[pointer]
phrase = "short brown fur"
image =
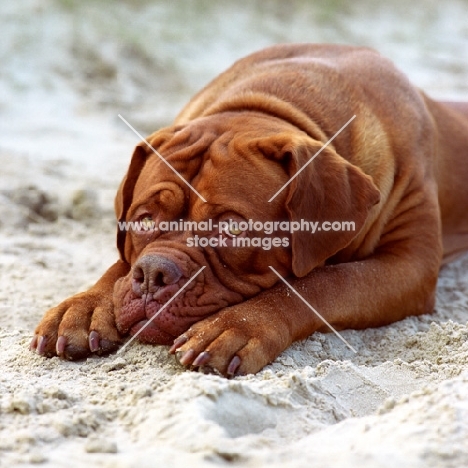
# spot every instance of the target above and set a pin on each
(398, 170)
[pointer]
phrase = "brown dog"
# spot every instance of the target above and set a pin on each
(398, 172)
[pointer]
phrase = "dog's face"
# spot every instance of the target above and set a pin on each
(234, 165)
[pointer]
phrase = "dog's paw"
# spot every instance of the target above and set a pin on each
(230, 343)
(81, 325)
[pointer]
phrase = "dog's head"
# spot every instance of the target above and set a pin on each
(208, 203)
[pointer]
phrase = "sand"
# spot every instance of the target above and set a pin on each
(400, 401)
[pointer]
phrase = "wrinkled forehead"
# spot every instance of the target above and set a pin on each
(214, 160)
(235, 176)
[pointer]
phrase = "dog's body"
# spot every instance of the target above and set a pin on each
(398, 171)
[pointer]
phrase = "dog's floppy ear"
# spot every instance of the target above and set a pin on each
(124, 196)
(327, 189)
(183, 143)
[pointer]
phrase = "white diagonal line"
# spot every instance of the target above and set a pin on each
(160, 310)
(313, 310)
(162, 159)
(312, 158)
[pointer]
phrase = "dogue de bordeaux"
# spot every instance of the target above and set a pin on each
(398, 173)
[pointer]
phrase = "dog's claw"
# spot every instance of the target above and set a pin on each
(186, 358)
(41, 345)
(178, 342)
(202, 359)
(233, 366)
(99, 345)
(61, 345)
(93, 340)
(33, 344)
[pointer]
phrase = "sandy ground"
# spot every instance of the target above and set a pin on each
(67, 70)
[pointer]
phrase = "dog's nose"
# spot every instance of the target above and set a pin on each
(152, 272)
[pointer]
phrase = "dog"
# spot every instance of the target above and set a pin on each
(291, 135)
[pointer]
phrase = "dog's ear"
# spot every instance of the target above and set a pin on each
(183, 144)
(326, 189)
(124, 196)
